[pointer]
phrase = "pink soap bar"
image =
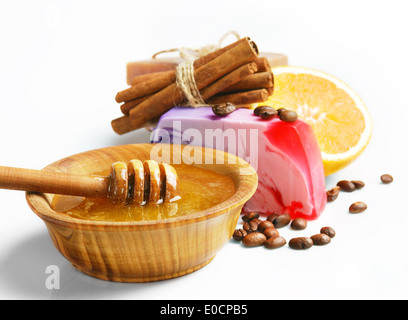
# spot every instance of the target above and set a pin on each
(286, 156)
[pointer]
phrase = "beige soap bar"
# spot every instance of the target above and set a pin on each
(137, 68)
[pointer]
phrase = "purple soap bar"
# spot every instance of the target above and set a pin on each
(286, 156)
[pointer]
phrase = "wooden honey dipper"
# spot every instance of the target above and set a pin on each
(136, 182)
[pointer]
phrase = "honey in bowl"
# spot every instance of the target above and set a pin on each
(201, 189)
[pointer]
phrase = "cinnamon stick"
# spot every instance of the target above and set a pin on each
(233, 77)
(263, 64)
(163, 79)
(213, 89)
(240, 98)
(258, 80)
(216, 87)
(212, 55)
(136, 68)
(243, 53)
(154, 84)
(127, 106)
(148, 76)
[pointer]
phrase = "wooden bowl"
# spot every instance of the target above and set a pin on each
(145, 250)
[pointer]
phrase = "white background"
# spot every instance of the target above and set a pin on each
(61, 64)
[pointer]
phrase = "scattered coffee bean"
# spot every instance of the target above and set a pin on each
(271, 232)
(358, 184)
(264, 225)
(346, 185)
(268, 113)
(332, 194)
(280, 110)
(299, 224)
(274, 242)
(250, 226)
(249, 216)
(386, 178)
(320, 239)
(272, 217)
(254, 239)
(224, 109)
(300, 243)
(288, 116)
(358, 207)
(239, 234)
(257, 110)
(329, 231)
(282, 221)
(257, 221)
(265, 112)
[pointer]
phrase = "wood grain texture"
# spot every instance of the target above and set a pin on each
(119, 186)
(146, 250)
(60, 183)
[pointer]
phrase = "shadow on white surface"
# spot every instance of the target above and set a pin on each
(23, 275)
(137, 136)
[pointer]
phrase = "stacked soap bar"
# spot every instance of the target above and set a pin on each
(286, 156)
(137, 68)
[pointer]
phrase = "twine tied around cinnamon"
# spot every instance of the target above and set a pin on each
(186, 81)
(185, 70)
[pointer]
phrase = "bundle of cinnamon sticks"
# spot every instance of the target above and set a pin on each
(234, 74)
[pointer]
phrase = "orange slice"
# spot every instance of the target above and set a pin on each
(339, 118)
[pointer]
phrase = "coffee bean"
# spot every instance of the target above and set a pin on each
(268, 113)
(274, 242)
(299, 224)
(332, 194)
(280, 110)
(249, 216)
(257, 110)
(288, 116)
(300, 243)
(272, 217)
(320, 239)
(386, 178)
(358, 184)
(264, 225)
(265, 112)
(346, 185)
(224, 109)
(239, 234)
(254, 239)
(282, 221)
(250, 226)
(329, 231)
(271, 232)
(257, 221)
(358, 207)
